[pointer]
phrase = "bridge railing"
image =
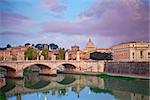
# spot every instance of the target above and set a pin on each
(50, 61)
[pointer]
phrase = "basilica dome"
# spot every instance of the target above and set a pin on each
(90, 44)
(89, 47)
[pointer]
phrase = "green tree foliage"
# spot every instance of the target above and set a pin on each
(31, 53)
(61, 54)
(100, 56)
(53, 46)
(8, 46)
(39, 46)
(45, 53)
(27, 44)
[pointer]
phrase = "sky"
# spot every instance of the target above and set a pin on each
(70, 22)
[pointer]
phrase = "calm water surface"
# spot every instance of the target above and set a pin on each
(73, 87)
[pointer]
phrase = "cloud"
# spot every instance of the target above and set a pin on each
(12, 33)
(57, 6)
(13, 20)
(122, 20)
(111, 20)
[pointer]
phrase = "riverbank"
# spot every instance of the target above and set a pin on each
(121, 76)
(104, 75)
(80, 73)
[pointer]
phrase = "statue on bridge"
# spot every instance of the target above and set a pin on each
(78, 56)
(66, 56)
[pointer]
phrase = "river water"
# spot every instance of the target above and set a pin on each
(73, 87)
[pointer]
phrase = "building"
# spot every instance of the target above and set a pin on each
(73, 52)
(131, 51)
(90, 48)
(13, 53)
(5, 55)
(45, 46)
(102, 50)
(52, 54)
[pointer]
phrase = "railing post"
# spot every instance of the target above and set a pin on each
(53, 57)
(78, 56)
(66, 56)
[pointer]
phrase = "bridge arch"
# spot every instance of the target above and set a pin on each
(38, 65)
(66, 67)
(42, 68)
(8, 70)
(7, 67)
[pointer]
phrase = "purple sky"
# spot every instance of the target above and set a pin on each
(69, 22)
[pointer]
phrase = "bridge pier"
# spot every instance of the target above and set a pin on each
(48, 72)
(15, 74)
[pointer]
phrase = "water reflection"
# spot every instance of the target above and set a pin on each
(73, 87)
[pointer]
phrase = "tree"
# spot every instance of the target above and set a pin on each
(33, 45)
(27, 44)
(8, 46)
(53, 46)
(31, 53)
(3, 48)
(100, 56)
(39, 46)
(61, 54)
(45, 53)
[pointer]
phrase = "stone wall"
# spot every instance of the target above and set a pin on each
(128, 68)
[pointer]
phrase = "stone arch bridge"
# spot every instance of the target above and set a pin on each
(15, 68)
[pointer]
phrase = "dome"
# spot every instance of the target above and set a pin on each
(90, 44)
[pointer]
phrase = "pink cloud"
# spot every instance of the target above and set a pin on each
(9, 19)
(15, 22)
(123, 20)
(49, 3)
(10, 33)
(28, 21)
(57, 6)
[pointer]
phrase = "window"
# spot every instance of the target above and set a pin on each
(141, 53)
(133, 55)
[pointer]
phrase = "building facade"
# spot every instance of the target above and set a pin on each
(73, 52)
(45, 46)
(90, 48)
(13, 53)
(131, 51)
